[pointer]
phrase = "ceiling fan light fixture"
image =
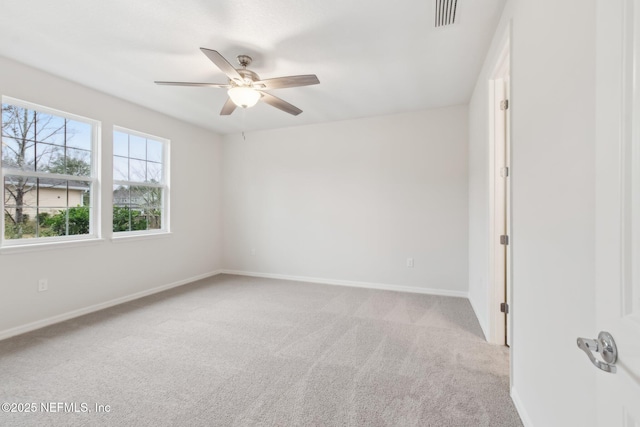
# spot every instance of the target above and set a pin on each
(243, 96)
(245, 86)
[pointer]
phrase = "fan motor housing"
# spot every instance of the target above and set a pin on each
(248, 75)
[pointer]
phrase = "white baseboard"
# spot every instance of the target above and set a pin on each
(524, 416)
(381, 286)
(96, 307)
(7, 333)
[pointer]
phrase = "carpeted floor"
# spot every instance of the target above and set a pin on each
(239, 351)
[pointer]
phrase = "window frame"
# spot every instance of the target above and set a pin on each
(94, 180)
(164, 186)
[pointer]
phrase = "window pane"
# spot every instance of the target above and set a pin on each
(154, 172)
(20, 223)
(137, 203)
(17, 122)
(57, 223)
(49, 158)
(154, 151)
(79, 135)
(120, 169)
(154, 219)
(121, 211)
(78, 162)
(50, 129)
(19, 191)
(121, 195)
(51, 195)
(120, 144)
(121, 218)
(137, 147)
(18, 154)
(154, 198)
(19, 207)
(78, 220)
(79, 193)
(9, 152)
(138, 197)
(138, 220)
(137, 170)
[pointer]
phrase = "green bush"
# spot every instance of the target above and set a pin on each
(48, 225)
(126, 219)
(57, 224)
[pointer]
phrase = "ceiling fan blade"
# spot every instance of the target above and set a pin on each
(192, 84)
(274, 101)
(222, 63)
(228, 107)
(289, 81)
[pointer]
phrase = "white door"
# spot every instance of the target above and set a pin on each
(502, 203)
(618, 209)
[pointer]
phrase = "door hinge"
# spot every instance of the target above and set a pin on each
(504, 239)
(504, 104)
(504, 308)
(504, 172)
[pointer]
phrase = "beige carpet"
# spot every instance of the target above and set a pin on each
(238, 351)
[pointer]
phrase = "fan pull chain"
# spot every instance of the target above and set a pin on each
(244, 114)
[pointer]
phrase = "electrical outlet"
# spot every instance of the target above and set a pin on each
(43, 285)
(410, 262)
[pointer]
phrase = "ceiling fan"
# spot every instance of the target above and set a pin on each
(245, 88)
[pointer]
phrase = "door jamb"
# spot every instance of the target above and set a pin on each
(496, 287)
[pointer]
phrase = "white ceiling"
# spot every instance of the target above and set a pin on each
(372, 57)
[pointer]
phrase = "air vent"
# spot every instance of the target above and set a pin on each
(445, 12)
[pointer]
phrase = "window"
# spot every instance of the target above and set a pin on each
(140, 182)
(49, 174)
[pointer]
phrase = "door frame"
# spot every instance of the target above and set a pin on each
(617, 181)
(499, 262)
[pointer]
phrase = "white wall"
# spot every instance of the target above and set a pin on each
(479, 180)
(553, 143)
(80, 277)
(479, 203)
(352, 200)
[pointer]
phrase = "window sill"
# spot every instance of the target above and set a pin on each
(134, 237)
(45, 246)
